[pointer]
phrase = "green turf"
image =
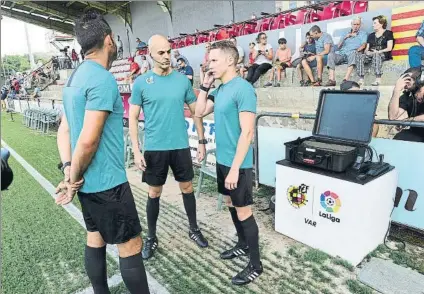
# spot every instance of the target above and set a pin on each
(356, 287)
(42, 245)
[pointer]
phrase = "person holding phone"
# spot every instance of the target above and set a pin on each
(407, 104)
(234, 107)
(354, 42)
(262, 55)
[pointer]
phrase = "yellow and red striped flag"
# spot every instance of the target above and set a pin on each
(405, 23)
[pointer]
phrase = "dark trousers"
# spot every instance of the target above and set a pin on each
(409, 135)
(255, 71)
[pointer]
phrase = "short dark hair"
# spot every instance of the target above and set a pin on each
(315, 29)
(227, 47)
(282, 41)
(382, 20)
(91, 30)
(259, 36)
(347, 85)
(233, 38)
(181, 59)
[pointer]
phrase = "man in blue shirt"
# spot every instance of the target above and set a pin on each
(324, 45)
(355, 41)
(234, 107)
(416, 53)
(90, 140)
(162, 93)
(185, 69)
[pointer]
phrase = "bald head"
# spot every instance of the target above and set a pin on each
(160, 51)
(157, 41)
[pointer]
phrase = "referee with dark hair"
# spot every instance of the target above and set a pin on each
(91, 147)
(234, 107)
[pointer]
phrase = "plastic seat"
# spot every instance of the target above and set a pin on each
(234, 31)
(264, 24)
(346, 7)
(212, 36)
(202, 38)
(289, 19)
(301, 16)
(190, 40)
(277, 22)
(222, 34)
(249, 27)
(360, 7)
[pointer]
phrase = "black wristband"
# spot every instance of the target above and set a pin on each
(203, 141)
(65, 165)
(204, 88)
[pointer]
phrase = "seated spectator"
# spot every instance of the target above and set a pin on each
(416, 53)
(75, 59)
(379, 48)
(354, 42)
(243, 70)
(352, 86)
(324, 45)
(204, 67)
(407, 104)
(262, 56)
(282, 61)
(140, 44)
(36, 93)
(134, 70)
(175, 57)
(142, 62)
(307, 50)
(185, 69)
(82, 54)
(240, 50)
(120, 48)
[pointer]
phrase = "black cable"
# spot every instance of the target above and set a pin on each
(386, 237)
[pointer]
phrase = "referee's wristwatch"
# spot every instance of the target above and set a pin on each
(65, 165)
(203, 141)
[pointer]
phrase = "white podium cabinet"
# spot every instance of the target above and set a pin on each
(329, 212)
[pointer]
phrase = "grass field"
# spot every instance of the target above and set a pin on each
(42, 245)
(53, 246)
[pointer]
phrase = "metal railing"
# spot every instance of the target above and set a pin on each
(312, 116)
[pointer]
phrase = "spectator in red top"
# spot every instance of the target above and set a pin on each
(134, 70)
(204, 67)
(75, 59)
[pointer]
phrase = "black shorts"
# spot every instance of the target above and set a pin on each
(112, 213)
(242, 195)
(158, 163)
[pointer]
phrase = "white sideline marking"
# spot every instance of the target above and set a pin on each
(112, 250)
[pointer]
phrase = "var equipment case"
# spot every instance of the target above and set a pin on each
(342, 131)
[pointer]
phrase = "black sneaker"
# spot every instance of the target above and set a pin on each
(234, 252)
(150, 246)
(197, 236)
(247, 275)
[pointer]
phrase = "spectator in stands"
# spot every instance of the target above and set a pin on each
(407, 104)
(351, 85)
(140, 44)
(379, 48)
(144, 66)
(240, 52)
(36, 93)
(82, 54)
(75, 59)
(120, 47)
(324, 45)
(134, 70)
(282, 61)
(204, 67)
(307, 50)
(243, 70)
(176, 55)
(353, 43)
(416, 53)
(4, 93)
(185, 69)
(262, 55)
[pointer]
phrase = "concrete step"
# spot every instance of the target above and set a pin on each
(391, 72)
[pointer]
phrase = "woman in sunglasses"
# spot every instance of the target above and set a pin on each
(262, 55)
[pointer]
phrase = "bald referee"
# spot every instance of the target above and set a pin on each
(162, 93)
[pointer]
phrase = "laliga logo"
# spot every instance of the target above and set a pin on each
(330, 201)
